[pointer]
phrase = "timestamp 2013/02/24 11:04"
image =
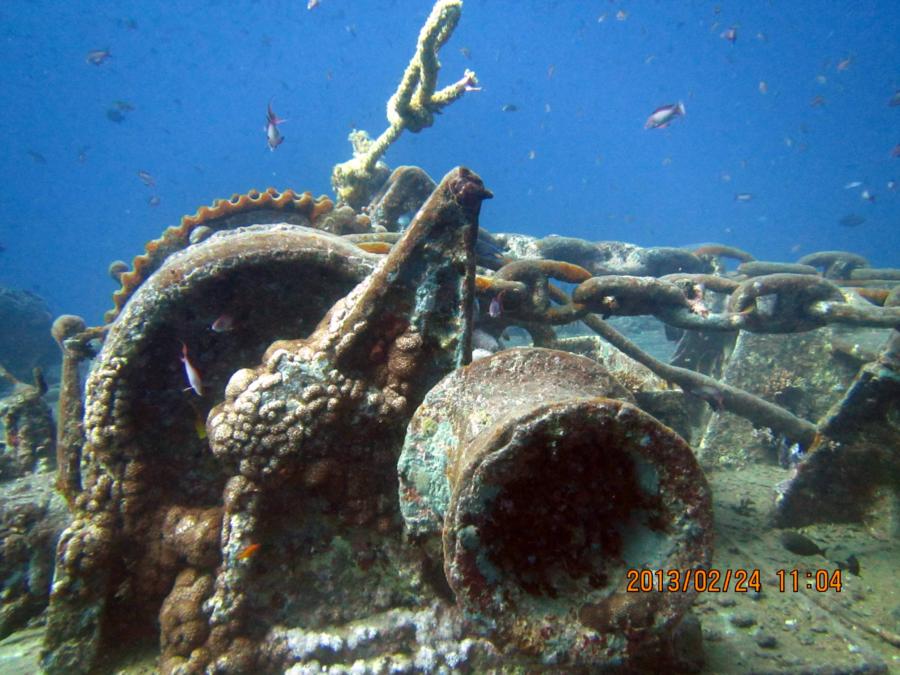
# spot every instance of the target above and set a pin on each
(716, 580)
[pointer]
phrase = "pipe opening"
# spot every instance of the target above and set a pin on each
(568, 510)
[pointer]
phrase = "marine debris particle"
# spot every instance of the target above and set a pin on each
(412, 106)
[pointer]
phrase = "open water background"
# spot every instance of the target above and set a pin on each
(572, 159)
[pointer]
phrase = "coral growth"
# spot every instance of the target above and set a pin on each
(253, 207)
(413, 106)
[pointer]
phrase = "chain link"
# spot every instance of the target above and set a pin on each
(773, 303)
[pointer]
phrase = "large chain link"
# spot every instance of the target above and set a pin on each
(773, 303)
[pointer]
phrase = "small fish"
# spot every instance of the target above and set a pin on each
(867, 196)
(496, 306)
(248, 551)
(114, 115)
(312, 4)
(96, 57)
(466, 52)
(851, 220)
(124, 106)
(853, 184)
(273, 137)
(844, 64)
(146, 178)
(743, 197)
(800, 544)
(200, 427)
(621, 15)
(851, 564)
(223, 324)
(83, 153)
(154, 200)
(894, 101)
(663, 116)
(817, 102)
(729, 34)
(509, 107)
(37, 157)
(892, 185)
(128, 23)
(380, 247)
(763, 87)
(192, 374)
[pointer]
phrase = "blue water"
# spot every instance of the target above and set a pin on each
(573, 159)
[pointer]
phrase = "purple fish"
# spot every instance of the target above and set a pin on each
(273, 136)
(663, 116)
(496, 308)
(223, 324)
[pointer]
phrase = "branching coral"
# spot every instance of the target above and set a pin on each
(411, 107)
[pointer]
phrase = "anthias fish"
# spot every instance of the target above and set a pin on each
(223, 324)
(273, 136)
(248, 551)
(192, 374)
(664, 115)
(96, 57)
(495, 309)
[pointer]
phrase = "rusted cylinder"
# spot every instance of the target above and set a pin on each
(69, 431)
(545, 491)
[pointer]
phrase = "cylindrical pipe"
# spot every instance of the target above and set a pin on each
(69, 431)
(547, 493)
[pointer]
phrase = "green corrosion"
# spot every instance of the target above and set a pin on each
(423, 467)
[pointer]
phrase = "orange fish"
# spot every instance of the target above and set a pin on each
(248, 551)
(374, 246)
